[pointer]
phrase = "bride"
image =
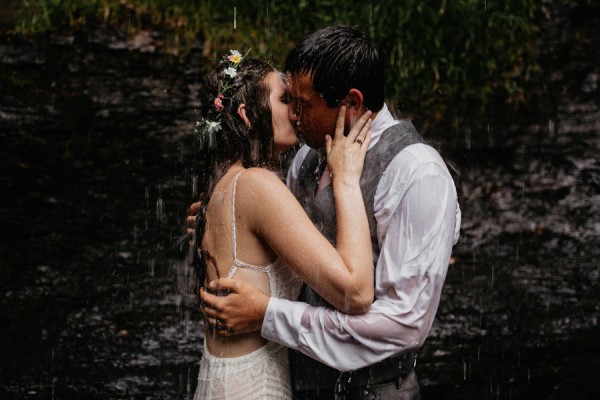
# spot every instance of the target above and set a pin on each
(252, 228)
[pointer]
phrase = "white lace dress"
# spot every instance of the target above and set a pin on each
(264, 373)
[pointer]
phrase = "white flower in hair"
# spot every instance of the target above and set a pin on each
(213, 126)
(210, 123)
(230, 72)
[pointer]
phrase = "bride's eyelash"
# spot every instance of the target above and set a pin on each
(285, 98)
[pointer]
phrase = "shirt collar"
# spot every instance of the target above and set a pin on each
(382, 121)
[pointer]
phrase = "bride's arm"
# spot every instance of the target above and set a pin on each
(342, 275)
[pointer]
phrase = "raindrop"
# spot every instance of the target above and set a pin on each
(159, 209)
(490, 136)
(178, 301)
(551, 128)
(136, 233)
(189, 383)
(187, 323)
(152, 264)
(481, 312)
(468, 138)
(194, 185)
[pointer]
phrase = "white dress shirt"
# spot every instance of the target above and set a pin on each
(418, 222)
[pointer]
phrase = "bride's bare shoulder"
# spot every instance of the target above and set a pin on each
(261, 187)
(263, 178)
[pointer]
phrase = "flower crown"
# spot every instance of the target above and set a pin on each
(211, 122)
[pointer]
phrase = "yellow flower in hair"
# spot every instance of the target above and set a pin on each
(235, 57)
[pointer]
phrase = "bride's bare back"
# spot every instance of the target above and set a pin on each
(218, 241)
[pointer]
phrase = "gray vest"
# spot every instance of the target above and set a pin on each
(308, 373)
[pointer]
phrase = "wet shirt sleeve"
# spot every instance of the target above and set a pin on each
(418, 222)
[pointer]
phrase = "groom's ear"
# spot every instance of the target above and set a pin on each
(242, 113)
(354, 103)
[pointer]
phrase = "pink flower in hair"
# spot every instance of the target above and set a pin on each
(219, 103)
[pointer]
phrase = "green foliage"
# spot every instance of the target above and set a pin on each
(445, 59)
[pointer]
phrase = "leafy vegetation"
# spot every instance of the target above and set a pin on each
(446, 60)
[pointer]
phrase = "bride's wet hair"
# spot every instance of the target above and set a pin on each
(234, 141)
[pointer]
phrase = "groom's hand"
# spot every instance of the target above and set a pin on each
(241, 311)
(191, 221)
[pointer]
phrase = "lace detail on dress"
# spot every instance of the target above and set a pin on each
(264, 373)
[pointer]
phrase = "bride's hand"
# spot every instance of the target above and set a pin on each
(346, 154)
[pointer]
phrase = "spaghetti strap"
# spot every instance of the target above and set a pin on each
(233, 230)
(237, 263)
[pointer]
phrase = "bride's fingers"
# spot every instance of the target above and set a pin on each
(328, 144)
(339, 123)
(364, 146)
(359, 126)
(361, 137)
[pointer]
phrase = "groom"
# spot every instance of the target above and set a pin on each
(414, 220)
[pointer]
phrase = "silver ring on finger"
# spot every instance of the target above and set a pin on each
(359, 140)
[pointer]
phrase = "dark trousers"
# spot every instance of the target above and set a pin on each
(400, 389)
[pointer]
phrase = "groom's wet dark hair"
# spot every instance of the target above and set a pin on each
(340, 58)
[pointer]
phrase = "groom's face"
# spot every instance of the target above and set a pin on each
(309, 113)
